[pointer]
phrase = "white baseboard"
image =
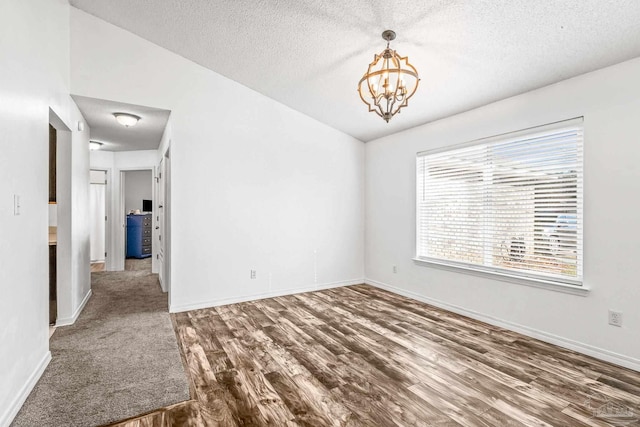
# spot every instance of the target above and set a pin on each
(162, 283)
(14, 407)
(66, 321)
(277, 293)
(589, 350)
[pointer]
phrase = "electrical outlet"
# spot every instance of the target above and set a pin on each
(253, 274)
(615, 318)
(395, 269)
(16, 204)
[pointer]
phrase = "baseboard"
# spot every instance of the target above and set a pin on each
(14, 407)
(598, 353)
(66, 321)
(277, 293)
(162, 283)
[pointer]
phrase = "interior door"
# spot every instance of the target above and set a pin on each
(159, 223)
(98, 214)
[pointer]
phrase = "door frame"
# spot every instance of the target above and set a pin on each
(166, 264)
(64, 291)
(159, 222)
(108, 241)
(121, 217)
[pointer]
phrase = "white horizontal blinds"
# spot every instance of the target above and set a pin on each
(451, 205)
(513, 204)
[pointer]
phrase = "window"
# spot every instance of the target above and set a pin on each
(510, 204)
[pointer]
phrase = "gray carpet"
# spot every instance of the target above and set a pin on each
(119, 359)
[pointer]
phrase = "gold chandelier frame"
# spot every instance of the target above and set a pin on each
(383, 87)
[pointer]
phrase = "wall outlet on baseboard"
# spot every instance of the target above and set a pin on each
(615, 318)
(253, 274)
(395, 269)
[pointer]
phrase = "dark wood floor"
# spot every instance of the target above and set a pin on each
(360, 356)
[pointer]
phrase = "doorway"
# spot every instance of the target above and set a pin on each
(53, 241)
(98, 215)
(162, 221)
(138, 203)
(59, 203)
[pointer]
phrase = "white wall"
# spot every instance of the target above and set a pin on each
(255, 185)
(34, 76)
(101, 160)
(609, 100)
(81, 223)
(73, 249)
(137, 187)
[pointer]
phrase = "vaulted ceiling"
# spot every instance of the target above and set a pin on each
(310, 54)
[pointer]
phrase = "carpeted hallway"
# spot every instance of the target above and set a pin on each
(119, 359)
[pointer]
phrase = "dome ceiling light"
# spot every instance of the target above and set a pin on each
(389, 82)
(95, 145)
(127, 120)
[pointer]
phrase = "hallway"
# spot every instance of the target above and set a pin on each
(118, 360)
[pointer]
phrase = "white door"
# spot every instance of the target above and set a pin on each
(98, 214)
(159, 217)
(166, 224)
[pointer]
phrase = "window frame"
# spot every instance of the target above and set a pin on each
(563, 284)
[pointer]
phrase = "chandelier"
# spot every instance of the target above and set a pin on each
(389, 82)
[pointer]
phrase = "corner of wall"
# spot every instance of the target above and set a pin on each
(589, 350)
(14, 407)
(66, 321)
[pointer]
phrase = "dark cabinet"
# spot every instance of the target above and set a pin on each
(139, 236)
(52, 163)
(53, 285)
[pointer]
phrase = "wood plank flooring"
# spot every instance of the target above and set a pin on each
(360, 356)
(97, 267)
(129, 265)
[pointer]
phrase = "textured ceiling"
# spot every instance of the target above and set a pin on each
(310, 54)
(145, 135)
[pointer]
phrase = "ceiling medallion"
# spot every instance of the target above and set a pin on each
(389, 82)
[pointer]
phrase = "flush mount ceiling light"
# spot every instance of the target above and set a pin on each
(389, 82)
(126, 119)
(95, 145)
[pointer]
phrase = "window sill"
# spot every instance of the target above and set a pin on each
(527, 281)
